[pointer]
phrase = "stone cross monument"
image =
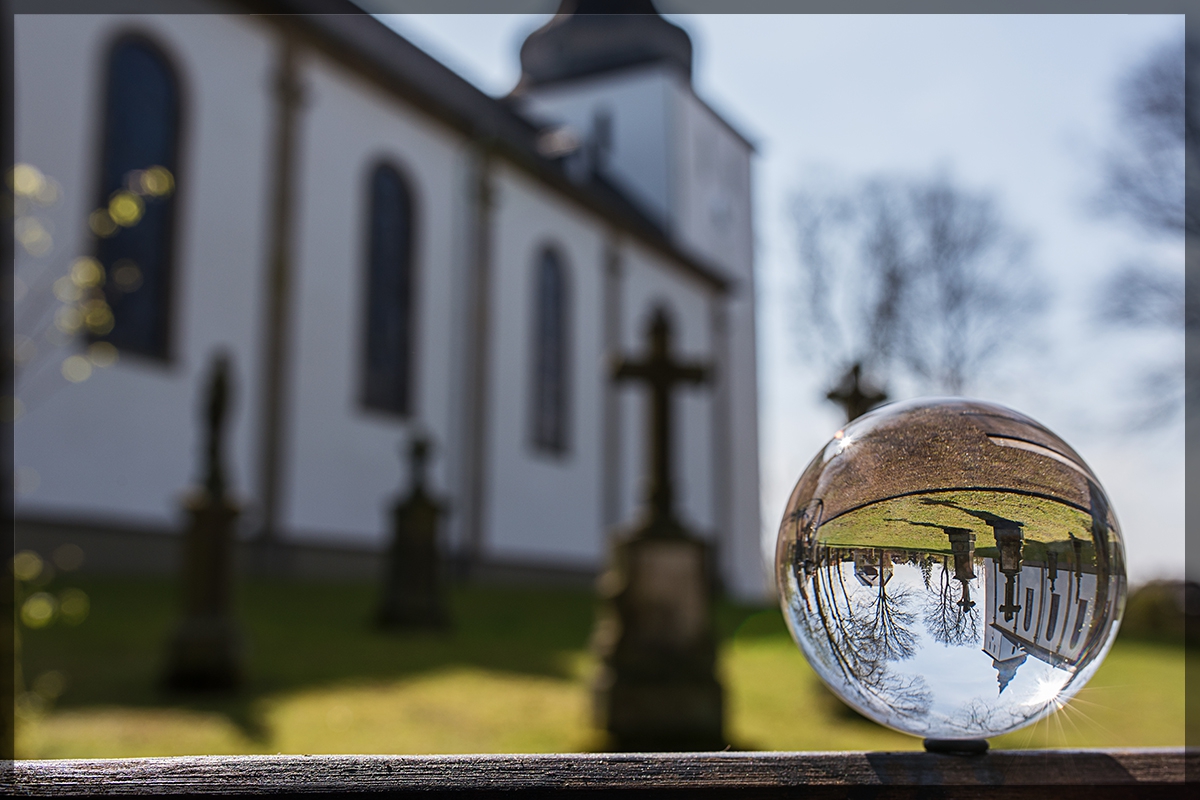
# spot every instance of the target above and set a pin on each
(657, 688)
(412, 593)
(206, 650)
(855, 395)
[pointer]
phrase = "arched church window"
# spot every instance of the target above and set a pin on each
(135, 217)
(550, 354)
(389, 334)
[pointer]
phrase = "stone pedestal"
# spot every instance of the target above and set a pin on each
(657, 689)
(206, 651)
(412, 590)
(412, 595)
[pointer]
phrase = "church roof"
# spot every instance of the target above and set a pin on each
(355, 38)
(588, 37)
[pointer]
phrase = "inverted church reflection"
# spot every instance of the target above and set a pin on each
(966, 634)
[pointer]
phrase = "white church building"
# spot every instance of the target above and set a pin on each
(383, 250)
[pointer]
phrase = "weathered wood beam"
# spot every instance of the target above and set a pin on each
(1056, 774)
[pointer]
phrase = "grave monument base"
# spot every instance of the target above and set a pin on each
(657, 689)
(206, 650)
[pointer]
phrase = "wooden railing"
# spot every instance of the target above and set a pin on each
(1090, 774)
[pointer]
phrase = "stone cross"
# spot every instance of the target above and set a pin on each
(656, 688)
(206, 651)
(412, 592)
(854, 395)
(418, 462)
(661, 373)
(1009, 540)
(962, 545)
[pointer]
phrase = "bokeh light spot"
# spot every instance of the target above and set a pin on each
(68, 319)
(66, 290)
(39, 610)
(26, 180)
(87, 272)
(157, 181)
(102, 354)
(76, 369)
(26, 566)
(98, 317)
(74, 604)
(125, 208)
(101, 223)
(32, 235)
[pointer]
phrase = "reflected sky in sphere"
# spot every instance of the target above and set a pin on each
(951, 568)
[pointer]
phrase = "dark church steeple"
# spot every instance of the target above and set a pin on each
(588, 37)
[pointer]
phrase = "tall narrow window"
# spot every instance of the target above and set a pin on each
(550, 358)
(135, 216)
(388, 378)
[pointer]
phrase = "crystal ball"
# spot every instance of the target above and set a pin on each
(951, 568)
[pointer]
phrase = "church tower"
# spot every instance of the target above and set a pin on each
(610, 86)
(613, 80)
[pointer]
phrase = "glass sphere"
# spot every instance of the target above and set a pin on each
(951, 568)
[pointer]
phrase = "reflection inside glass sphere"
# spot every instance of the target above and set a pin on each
(951, 568)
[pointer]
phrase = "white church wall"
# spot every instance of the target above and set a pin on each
(711, 197)
(671, 150)
(647, 283)
(638, 104)
(541, 507)
(753, 530)
(712, 202)
(122, 445)
(344, 463)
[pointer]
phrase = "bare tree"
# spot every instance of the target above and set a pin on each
(888, 625)
(913, 278)
(857, 633)
(947, 618)
(1144, 172)
(1144, 166)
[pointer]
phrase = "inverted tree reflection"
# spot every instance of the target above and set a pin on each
(861, 632)
(950, 616)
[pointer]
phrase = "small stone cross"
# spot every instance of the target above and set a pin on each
(854, 395)
(661, 372)
(418, 459)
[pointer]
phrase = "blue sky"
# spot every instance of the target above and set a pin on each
(1019, 106)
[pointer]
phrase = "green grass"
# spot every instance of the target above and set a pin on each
(914, 522)
(511, 676)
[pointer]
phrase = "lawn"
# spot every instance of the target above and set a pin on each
(915, 522)
(510, 676)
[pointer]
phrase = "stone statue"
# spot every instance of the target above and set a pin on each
(206, 651)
